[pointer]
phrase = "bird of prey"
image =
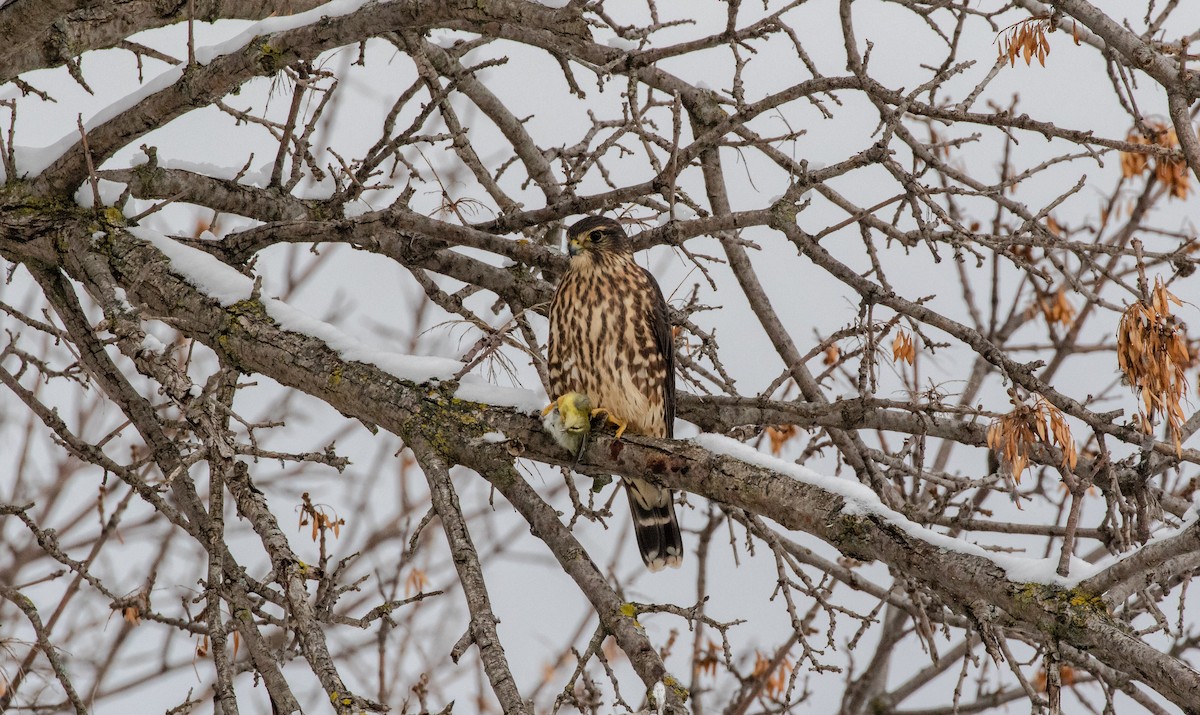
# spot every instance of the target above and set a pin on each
(610, 341)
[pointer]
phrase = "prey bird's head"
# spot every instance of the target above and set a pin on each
(569, 420)
(596, 235)
(576, 411)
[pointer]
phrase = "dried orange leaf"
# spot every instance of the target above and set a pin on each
(1152, 353)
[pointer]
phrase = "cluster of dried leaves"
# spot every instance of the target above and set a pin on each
(1057, 310)
(203, 645)
(779, 436)
(1066, 676)
(322, 518)
(902, 348)
(1170, 171)
(416, 582)
(1012, 435)
(132, 612)
(1152, 352)
(1026, 39)
(774, 677)
(706, 661)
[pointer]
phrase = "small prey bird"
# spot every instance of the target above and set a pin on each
(569, 420)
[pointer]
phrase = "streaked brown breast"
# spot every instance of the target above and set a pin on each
(602, 342)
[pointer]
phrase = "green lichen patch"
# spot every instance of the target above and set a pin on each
(783, 213)
(630, 610)
(270, 58)
(447, 421)
(676, 687)
(148, 174)
(852, 536)
(17, 200)
(249, 307)
(1072, 607)
(242, 315)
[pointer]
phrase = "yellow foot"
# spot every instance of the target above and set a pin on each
(621, 425)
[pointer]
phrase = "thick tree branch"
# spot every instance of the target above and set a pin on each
(44, 34)
(980, 589)
(470, 574)
(203, 84)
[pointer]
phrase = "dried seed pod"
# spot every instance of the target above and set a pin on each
(1152, 352)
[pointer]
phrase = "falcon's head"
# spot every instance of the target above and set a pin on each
(596, 235)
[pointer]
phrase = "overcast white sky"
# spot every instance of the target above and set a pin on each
(371, 299)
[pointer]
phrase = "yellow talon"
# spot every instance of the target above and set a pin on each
(621, 425)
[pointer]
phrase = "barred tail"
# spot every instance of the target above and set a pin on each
(655, 524)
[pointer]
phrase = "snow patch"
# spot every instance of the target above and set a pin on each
(861, 500)
(259, 177)
(336, 8)
(621, 43)
(204, 271)
(123, 299)
(32, 161)
(356, 208)
(473, 388)
(153, 344)
(658, 694)
(1160, 533)
(227, 287)
(444, 38)
(678, 212)
(110, 192)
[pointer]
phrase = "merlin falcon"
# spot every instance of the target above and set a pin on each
(610, 342)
